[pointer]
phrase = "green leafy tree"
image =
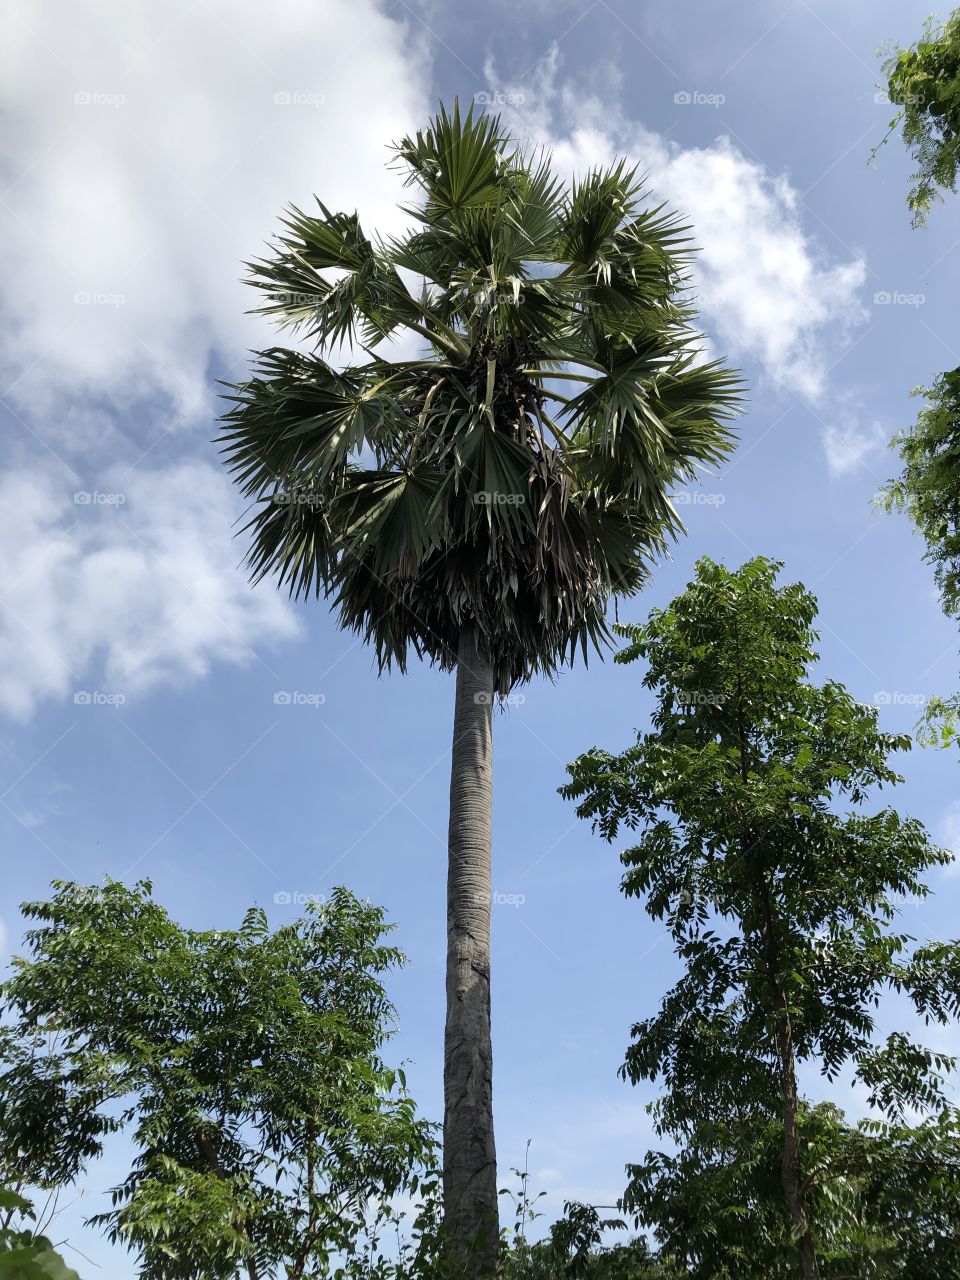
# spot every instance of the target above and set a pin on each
(884, 1199)
(26, 1254)
(924, 82)
(780, 906)
(244, 1065)
(928, 490)
(574, 1248)
(479, 503)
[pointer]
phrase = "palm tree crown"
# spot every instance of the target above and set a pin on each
(517, 473)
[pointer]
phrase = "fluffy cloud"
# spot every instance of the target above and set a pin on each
(850, 445)
(149, 152)
(949, 835)
(766, 290)
(136, 586)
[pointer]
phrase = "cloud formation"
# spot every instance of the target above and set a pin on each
(768, 292)
(112, 592)
(850, 445)
(149, 151)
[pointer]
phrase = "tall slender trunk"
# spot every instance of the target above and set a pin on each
(469, 1153)
(790, 1164)
(791, 1178)
(790, 1171)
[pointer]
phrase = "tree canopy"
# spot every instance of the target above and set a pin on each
(244, 1065)
(516, 473)
(924, 82)
(928, 490)
(781, 896)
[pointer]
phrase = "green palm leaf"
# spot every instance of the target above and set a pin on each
(517, 474)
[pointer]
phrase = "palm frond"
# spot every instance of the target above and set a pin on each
(517, 474)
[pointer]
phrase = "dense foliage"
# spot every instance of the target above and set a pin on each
(781, 907)
(477, 494)
(928, 490)
(243, 1065)
(461, 486)
(924, 81)
(25, 1252)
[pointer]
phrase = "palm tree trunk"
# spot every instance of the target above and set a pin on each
(469, 1153)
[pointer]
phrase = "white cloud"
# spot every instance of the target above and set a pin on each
(849, 445)
(948, 835)
(149, 151)
(767, 291)
(146, 158)
(111, 599)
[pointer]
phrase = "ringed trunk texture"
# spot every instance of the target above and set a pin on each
(469, 1154)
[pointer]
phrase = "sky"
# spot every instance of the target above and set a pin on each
(159, 718)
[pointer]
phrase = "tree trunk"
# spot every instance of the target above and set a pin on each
(469, 1154)
(790, 1167)
(790, 1172)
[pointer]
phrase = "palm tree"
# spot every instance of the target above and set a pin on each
(460, 505)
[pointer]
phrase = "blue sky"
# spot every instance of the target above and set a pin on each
(151, 153)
